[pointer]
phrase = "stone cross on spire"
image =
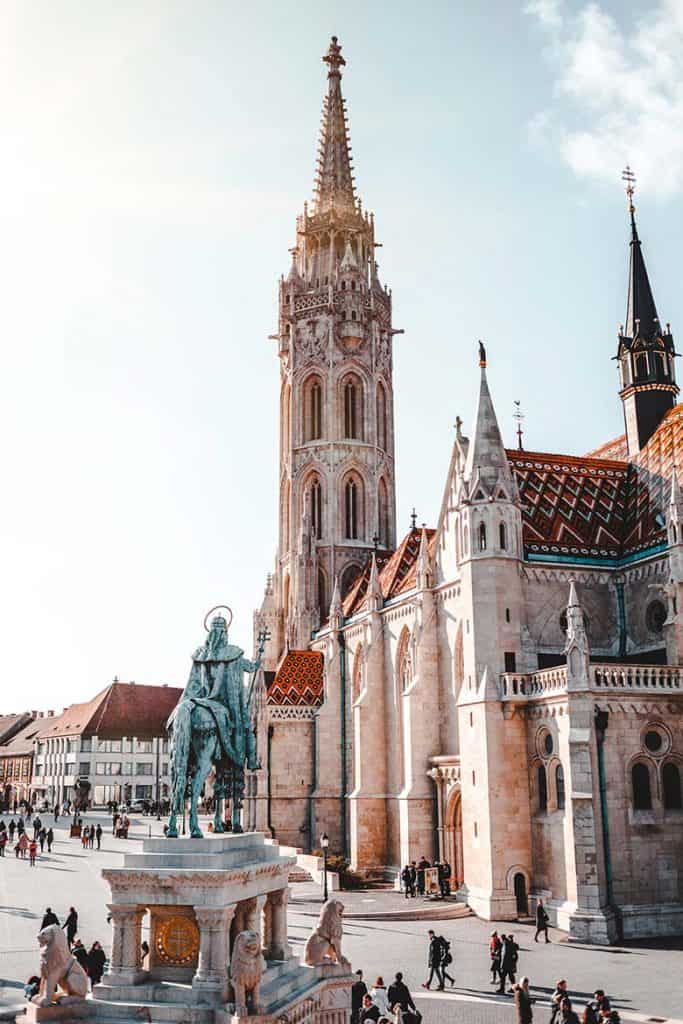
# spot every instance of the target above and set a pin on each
(334, 180)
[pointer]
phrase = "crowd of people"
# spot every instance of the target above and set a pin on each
(392, 1005)
(25, 846)
(414, 878)
(92, 960)
(597, 1010)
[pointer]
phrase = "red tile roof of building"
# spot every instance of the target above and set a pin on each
(617, 448)
(11, 724)
(298, 680)
(396, 571)
(122, 709)
(22, 742)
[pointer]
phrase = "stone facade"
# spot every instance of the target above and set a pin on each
(482, 680)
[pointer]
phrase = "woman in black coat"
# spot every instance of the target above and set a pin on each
(71, 925)
(96, 962)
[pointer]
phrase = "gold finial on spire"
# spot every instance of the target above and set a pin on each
(334, 59)
(629, 179)
(482, 354)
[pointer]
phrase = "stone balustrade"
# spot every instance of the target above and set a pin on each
(518, 686)
(636, 677)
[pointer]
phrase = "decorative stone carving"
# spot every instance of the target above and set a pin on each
(246, 970)
(324, 943)
(59, 969)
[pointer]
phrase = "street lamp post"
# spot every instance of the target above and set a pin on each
(324, 842)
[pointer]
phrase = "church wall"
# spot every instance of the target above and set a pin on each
(545, 595)
(291, 779)
(451, 667)
(551, 828)
(639, 594)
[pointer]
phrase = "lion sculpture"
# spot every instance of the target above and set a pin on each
(58, 969)
(246, 970)
(323, 945)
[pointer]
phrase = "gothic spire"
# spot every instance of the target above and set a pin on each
(641, 313)
(487, 462)
(334, 180)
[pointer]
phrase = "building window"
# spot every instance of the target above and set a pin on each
(313, 410)
(641, 366)
(127, 768)
(640, 781)
(655, 617)
(316, 505)
(358, 678)
(348, 578)
(502, 537)
(559, 787)
(383, 514)
(671, 787)
(351, 509)
(322, 595)
(353, 409)
(381, 417)
(542, 788)
(84, 768)
(482, 536)
(144, 746)
(507, 614)
(653, 741)
(510, 661)
(143, 768)
(143, 792)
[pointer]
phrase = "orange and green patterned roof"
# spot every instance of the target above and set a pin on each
(298, 680)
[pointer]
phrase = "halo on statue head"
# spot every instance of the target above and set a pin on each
(218, 608)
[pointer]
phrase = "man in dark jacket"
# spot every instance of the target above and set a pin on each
(81, 954)
(358, 990)
(399, 992)
(98, 835)
(434, 961)
(523, 1002)
(421, 865)
(49, 918)
(408, 881)
(369, 1011)
(558, 995)
(508, 963)
(541, 922)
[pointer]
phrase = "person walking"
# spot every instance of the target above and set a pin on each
(71, 925)
(50, 837)
(567, 1014)
(96, 961)
(398, 994)
(42, 835)
(369, 1010)
(85, 835)
(422, 864)
(114, 819)
(602, 1003)
(541, 922)
(32, 852)
(358, 990)
(589, 1015)
(558, 995)
(98, 835)
(12, 828)
(495, 946)
(435, 956)
(56, 813)
(22, 845)
(91, 837)
(3, 842)
(508, 963)
(446, 961)
(407, 880)
(523, 1002)
(379, 996)
(49, 917)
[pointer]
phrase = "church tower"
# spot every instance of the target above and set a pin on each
(337, 488)
(645, 352)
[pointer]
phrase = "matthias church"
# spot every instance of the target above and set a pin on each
(504, 688)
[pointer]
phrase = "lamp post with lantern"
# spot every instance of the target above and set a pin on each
(324, 842)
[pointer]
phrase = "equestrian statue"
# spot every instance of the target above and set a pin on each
(212, 727)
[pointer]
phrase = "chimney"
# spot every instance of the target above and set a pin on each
(50, 714)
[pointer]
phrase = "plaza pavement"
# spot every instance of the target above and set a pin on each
(645, 982)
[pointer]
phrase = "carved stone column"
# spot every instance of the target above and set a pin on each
(126, 956)
(277, 902)
(253, 912)
(211, 977)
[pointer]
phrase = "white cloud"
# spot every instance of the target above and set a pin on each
(623, 84)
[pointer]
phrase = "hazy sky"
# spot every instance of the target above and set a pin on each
(153, 157)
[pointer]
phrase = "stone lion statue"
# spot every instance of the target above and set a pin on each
(246, 969)
(58, 969)
(323, 945)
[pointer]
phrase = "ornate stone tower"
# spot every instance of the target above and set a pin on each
(646, 352)
(337, 492)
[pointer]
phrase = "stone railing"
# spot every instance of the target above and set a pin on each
(518, 686)
(636, 677)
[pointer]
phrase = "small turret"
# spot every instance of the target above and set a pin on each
(576, 647)
(336, 615)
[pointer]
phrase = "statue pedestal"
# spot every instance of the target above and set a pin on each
(197, 896)
(68, 1010)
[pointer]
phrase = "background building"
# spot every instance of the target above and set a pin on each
(16, 759)
(116, 743)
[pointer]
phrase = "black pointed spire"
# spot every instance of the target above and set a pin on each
(641, 313)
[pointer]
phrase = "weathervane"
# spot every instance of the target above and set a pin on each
(629, 179)
(518, 415)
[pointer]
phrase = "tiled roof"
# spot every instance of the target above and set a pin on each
(22, 742)
(617, 448)
(298, 680)
(122, 709)
(10, 724)
(396, 571)
(598, 507)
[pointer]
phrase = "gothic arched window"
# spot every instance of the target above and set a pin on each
(671, 787)
(640, 782)
(358, 677)
(502, 536)
(542, 788)
(404, 662)
(348, 578)
(641, 366)
(322, 595)
(313, 409)
(482, 536)
(353, 508)
(381, 417)
(284, 419)
(383, 514)
(353, 408)
(285, 514)
(559, 787)
(316, 507)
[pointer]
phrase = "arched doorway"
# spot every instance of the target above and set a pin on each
(520, 894)
(453, 838)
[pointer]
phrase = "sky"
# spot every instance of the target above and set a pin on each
(153, 158)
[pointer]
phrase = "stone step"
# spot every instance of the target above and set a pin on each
(144, 1010)
(150, 992)
(210, 844)
(279, 989)
(221, 860)
(279, 999)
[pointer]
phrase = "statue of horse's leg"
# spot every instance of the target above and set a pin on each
(219, 797)
(237, 793)
(203, 760)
